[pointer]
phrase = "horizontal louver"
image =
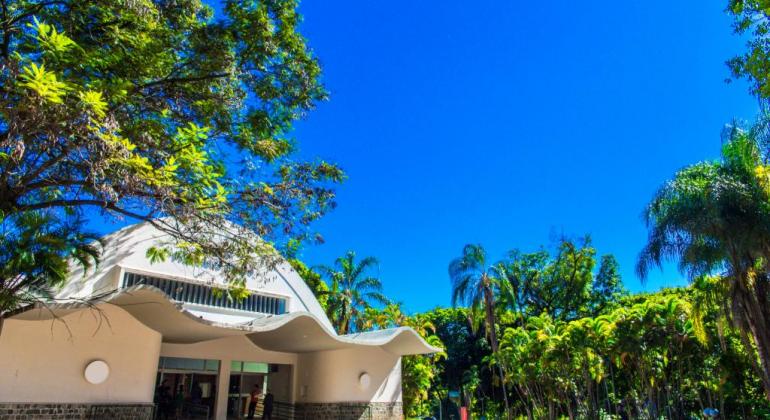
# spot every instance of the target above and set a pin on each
(205, 295)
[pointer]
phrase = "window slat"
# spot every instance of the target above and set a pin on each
(204, 295)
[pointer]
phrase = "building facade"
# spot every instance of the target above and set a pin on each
(133, 339)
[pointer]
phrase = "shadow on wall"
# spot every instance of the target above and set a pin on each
(395, 391)
(103, 284)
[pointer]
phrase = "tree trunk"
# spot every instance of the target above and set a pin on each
(755, 316)
(592, 410)
(490, 315)
(521, 393)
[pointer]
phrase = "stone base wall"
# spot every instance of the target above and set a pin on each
(349, 411)
(55, 411)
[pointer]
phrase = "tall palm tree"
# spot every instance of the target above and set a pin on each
(474, 284)
(351, 291)
(714, 217)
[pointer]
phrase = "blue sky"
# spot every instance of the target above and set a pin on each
(508, 124)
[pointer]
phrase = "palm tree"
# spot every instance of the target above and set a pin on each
(351, 291)
(714, 217)
(35, 257)
(474, 284)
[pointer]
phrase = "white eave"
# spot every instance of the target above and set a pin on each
(296, 332)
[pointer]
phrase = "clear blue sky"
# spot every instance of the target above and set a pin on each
(507, 123)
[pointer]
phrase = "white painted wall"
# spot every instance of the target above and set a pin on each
(332, 376)
(280, 383)
(229, 348)
(44, 361)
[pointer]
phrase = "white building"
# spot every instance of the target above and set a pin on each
(117, 333)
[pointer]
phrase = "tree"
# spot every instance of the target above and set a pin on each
(418, 371)
(159, 111)
(466, 348)
(562, 285)
(387, 317)
(714, 217)
(607, 287)
(474, 283)
(313, 281)
(36, 259)
(351, 291)
(752, 17)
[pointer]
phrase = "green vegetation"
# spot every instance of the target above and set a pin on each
(547, 335)
(715, 217)
(351, 291)
(572, 343)
(554, 334)
(155, 111)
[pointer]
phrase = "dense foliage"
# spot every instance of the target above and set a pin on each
(157, 111)
(647, 357)
(160, 111)
(573, 343)
(714, 218)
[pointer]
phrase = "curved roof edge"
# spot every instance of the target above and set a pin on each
(296, 332)
(126, 248)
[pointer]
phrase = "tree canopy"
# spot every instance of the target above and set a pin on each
(162, 112)
(351, 290)
(714, 218)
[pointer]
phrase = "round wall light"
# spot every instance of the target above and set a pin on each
(97, 372)
(364, 380)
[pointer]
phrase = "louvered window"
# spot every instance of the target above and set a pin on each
(206, 295)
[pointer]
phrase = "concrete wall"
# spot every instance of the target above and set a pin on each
(280, 383)
(227, 349)
(333, 376)
(44, 361)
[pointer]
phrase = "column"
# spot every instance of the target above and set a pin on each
(223, 389)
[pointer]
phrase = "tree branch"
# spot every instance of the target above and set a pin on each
(170, 80)
(35, 8)
(109, 205)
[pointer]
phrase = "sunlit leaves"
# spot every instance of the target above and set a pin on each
(44, 83)
(147, 109)
(94, 101)
(157, 254)
(50, 39)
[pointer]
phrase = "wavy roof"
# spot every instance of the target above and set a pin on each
(295, 332)
(126, 250)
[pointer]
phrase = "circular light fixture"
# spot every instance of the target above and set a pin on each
(97, 372)
(364, 380)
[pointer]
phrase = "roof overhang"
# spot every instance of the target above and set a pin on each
(297, 332)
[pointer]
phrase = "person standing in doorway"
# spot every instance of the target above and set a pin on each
(253, 401)
(267, 408)
(163, 401)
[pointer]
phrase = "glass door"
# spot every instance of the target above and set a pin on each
(186, 388)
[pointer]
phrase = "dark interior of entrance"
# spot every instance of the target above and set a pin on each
(186, 388)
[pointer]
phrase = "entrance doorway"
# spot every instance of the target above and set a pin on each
(243, 378)
(186, 388)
